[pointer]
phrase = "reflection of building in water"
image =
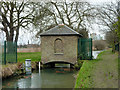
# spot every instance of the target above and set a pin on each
(36, 80)
(25, 83)
(95, 36)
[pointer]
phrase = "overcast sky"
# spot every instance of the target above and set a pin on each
(95, 29)
(24, 37)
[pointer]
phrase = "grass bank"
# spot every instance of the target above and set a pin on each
(34, 56)
(93, 71)
(84, 79)
(119, 69)
(15, 69)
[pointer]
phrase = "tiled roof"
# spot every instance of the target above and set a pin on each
(60, 30)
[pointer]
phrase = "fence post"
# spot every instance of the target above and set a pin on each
(5, 52)
(78, 48)
(16, 51)
(91, 48)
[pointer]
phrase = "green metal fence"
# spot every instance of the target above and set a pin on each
(0, 62)
(9, 53)
(117, 47)
(85, 48)
(0, 53)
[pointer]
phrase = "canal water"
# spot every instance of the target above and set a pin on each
(95, 53)
(46, 78)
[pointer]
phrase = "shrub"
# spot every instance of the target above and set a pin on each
(99, 45)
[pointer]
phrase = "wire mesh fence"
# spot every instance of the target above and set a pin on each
(0, 63)
(9, 52)
(0, 52)
(85, 48)
(117, 47)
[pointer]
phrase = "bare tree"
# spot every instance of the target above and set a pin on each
(112, 39)
(13, 16)
(99, 44)
(108, 16)
(43, 17)
(76, 15)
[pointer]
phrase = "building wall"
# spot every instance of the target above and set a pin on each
(69, 44)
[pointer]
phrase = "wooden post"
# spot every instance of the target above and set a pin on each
(91, 48)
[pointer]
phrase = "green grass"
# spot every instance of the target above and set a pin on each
(84, 76)
(34, 56)
(84, 79)
(119, 68)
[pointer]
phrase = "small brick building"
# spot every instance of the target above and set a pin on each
(59, 44)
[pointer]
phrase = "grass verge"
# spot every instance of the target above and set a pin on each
(34, 56)
(119, 68)
(84, 79)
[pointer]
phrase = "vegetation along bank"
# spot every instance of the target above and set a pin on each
(16, 69)
(99, 73)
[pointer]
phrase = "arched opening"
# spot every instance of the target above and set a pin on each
(58, 46)
(61, 64)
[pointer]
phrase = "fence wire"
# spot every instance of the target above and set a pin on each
(0, 55)
(85, 49)
(0, 63)
(9, 52)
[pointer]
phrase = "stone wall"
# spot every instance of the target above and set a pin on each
(69, 47)
(15, 69)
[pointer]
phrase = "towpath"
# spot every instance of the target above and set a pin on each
(105, 72)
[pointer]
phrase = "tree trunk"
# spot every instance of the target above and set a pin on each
(18, 26)
(113, 47)
(119, 51)
(17, 34)
(10, 43)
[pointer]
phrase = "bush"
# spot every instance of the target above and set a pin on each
(99, 45)
(78, 65)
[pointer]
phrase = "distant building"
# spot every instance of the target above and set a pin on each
(32, 45)
(99, 37)
(95, 36)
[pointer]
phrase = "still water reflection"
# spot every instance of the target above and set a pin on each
(46, 78)
(95, 53)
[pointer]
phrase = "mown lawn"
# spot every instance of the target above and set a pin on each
(93, 71)
(34, 56)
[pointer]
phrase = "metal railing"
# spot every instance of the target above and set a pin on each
(85, 48)
(9, 52)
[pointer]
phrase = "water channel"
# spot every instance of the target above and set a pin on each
(60, 77)
(95, 53)
(46, 78)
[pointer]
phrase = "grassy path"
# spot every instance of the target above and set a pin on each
(99, 73)
(105, 72)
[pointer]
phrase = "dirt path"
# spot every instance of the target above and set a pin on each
(105, 73)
